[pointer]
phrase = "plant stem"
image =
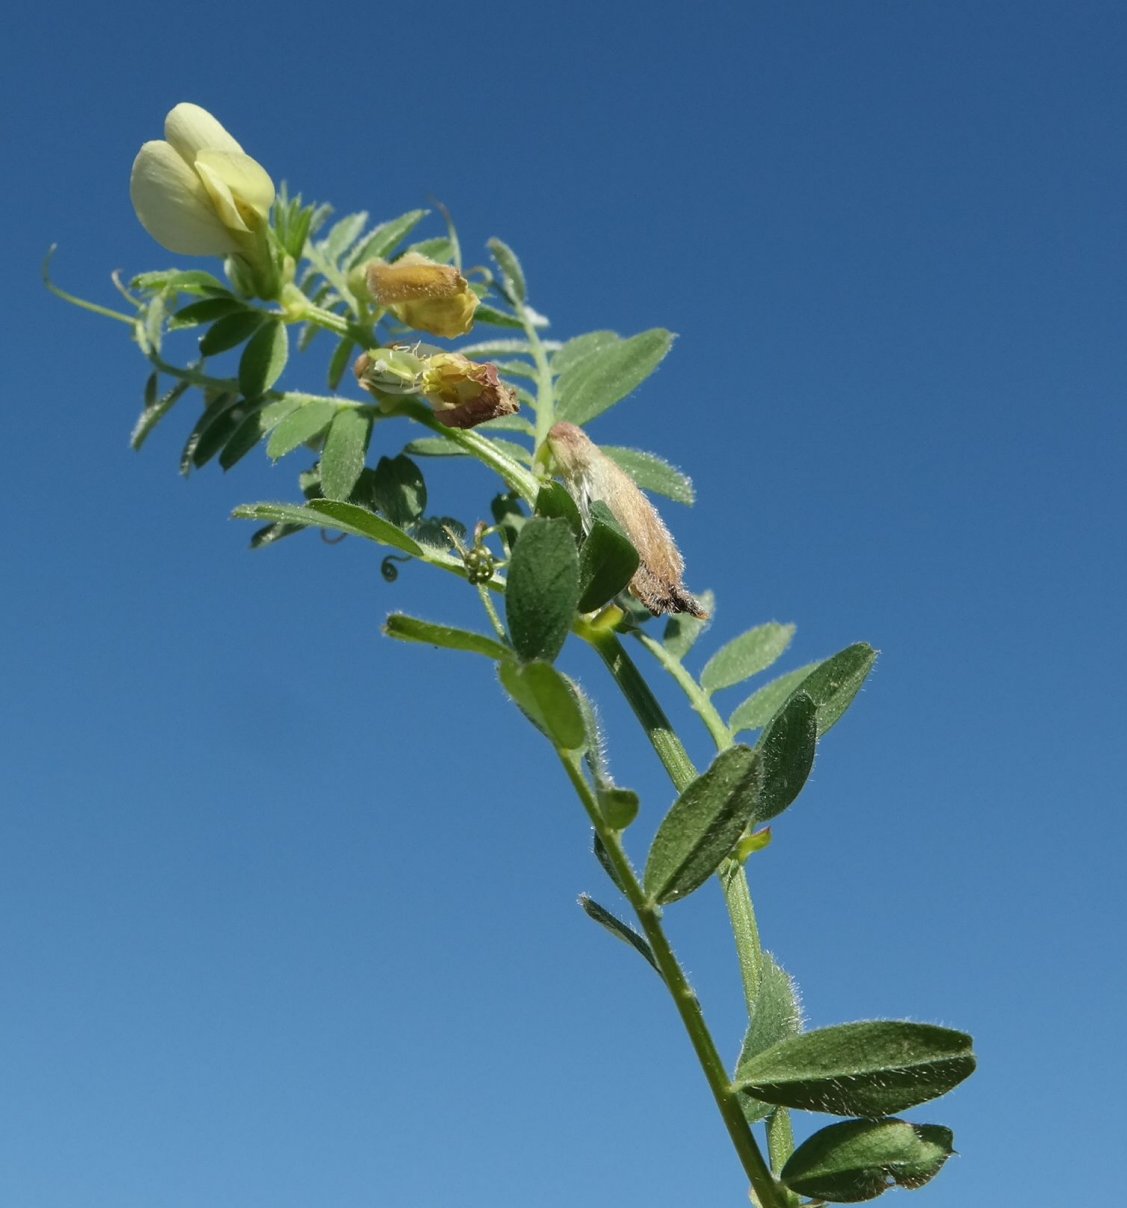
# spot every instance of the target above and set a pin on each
(670, 750)
(698, 698)
(514, 474)
(768, 1192)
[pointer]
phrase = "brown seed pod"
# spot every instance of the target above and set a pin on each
(591, 475)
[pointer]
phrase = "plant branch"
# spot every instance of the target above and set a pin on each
(768, 1192)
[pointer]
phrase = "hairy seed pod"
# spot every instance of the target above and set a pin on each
(591, 475)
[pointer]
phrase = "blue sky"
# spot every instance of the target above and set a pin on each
(287, 911)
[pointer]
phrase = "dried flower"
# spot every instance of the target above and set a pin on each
(592, 476)
(463, 393)
(424, 294)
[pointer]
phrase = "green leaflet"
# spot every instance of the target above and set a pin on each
(619, 806)
(263, 359)
(207, 310)
(412, 629)
(776, 1016)
(547, 700)
(860, 1069)
(299, 427)
(831, 684)
(543, 588)
(703, 825)
(858, 1159)
(652, 473)
(554, 500)
(762, 705)
(386, 237)
(330, 514)
(512, 275)
(607, 560)
(395, 488)
(617, 928)
(745, 656)
(568, 356)
(346, 447)
(230, 331)
(608, 373)
(787, 750)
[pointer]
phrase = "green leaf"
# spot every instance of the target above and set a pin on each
(412, 629)
(495, 317)
(508, 515)
(603, 857)
(860, 1069)
(745, 656)
(435, 446)
(207, 310)
(609, 373)
(682, 630)
(858, 1159)
(340, 361)
(652, 473)
(775, 1017)
(395, 488)
(386, 237)
(543, 588)
(263, 359)
(300, 427)
(569, 355)
(212, 431)
(547, 700)
(703, 826)
(490, 350)
(182, 281)
(554, 500)
(761, 706)
(440, 248)
(155, 409)
(619, 806)
(342, 458)
(607, 560)
(331, 514)
(242, 440)
(832, 685)
(230, 332)
(617, 928)
(512, 275)
(787, 750)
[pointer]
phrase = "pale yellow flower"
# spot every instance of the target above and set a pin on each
(197, 192)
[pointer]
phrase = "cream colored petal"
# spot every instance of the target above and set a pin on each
(173, 205)
(191, 130)
(240, 188)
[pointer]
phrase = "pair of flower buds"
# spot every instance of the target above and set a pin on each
(198, 193)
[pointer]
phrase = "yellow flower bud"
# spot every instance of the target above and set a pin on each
(423, 294)
(591, 475)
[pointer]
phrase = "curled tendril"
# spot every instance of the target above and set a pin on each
(387, 568)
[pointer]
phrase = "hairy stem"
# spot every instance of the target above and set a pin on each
(698, 698)
(767, 1191)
